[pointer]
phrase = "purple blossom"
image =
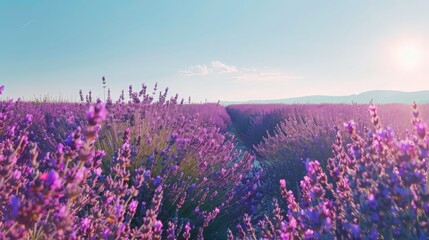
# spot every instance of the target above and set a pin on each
(16, 174)
(96, 114)
(133, 206)
(421, 129)
(85, 224)
(350, 126)
(14, 202)
(51, 179)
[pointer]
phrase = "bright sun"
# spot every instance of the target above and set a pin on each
(408, 56)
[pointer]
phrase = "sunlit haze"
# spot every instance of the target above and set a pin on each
(409, 56)
(213, 50)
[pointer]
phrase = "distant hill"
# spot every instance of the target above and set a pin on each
(377, 96)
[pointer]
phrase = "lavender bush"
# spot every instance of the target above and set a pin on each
(379, 190)
(166, 177)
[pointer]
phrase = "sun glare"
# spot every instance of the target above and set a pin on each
(408, 56)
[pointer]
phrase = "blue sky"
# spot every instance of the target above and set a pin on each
(223, 49)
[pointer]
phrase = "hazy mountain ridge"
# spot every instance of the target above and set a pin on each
(377, 96)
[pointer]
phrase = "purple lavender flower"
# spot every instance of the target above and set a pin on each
(96, 114)
(421, 129)
(51, 179)
(14, 202)
(133, 206)
(350, 126)
(85, 224)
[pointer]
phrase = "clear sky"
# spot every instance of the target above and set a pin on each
(223, 49)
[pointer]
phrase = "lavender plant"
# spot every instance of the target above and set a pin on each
(168, 176)
(379, 190)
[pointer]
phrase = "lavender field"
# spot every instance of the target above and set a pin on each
(217, 120)
(151, 166)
